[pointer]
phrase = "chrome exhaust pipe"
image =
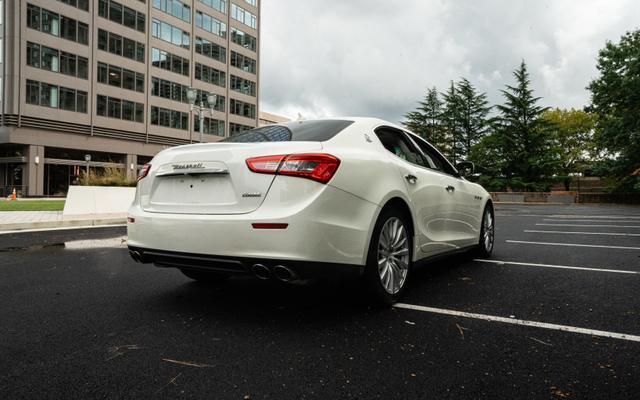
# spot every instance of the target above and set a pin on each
(284, 274)
(136, 256)
(261, 271)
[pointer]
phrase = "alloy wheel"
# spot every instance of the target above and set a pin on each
(488, 231)
(393, 255)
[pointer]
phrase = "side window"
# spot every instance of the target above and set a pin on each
(398, 144)
(434, 159)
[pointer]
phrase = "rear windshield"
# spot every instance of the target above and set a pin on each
(299, 131)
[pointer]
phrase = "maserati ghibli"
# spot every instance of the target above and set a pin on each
(331, 198)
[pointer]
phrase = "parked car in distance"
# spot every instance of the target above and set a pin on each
(342, 197)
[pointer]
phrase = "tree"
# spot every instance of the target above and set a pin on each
(572, 132)
(426, 120)
(472, 118)
(451, 116)
(615, 100)
(524, 137)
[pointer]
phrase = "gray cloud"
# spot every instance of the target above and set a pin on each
(376, 58)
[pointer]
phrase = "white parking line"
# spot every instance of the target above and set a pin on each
(616, 221)
(573, 217)
(521, 322)
(592, 226)
(584, 233)
(615, 271)
(574, 245)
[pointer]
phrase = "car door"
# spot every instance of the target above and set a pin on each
(463, 223)
(430, 200)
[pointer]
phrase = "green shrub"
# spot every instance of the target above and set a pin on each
(108, 177)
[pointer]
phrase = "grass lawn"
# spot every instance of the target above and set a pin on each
(32, 205)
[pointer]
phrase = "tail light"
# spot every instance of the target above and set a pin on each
(317, 167)
(144, 171)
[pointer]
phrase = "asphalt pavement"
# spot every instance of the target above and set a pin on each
(555, 314)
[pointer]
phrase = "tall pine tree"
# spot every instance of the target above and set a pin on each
(473, 118)
(524, 137)
(451, 116)
(426, 120)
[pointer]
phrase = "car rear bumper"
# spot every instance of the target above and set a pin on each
(332, 226)
(245, 266)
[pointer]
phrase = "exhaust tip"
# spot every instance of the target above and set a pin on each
(261, 271)
(284, 274)
(136, 256)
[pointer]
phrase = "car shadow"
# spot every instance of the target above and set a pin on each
(247, 298)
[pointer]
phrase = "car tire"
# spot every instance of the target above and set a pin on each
(487, 233)
(389, 257)
(204, 277)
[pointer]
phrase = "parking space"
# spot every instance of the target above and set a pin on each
(550, 315)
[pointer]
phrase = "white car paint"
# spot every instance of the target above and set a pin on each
(328, 223)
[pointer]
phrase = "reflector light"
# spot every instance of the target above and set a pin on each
(131, 220)
(318, 167)
(269, 226)
(144, 171)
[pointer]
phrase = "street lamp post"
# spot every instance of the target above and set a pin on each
(87, 158)
(201, 110)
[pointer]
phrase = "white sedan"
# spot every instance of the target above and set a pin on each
(308, 199)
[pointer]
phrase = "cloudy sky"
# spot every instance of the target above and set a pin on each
(376, 58)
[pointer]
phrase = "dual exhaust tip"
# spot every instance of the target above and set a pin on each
(279, 272)
(136, 255)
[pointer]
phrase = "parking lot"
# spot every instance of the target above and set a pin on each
(555, 313)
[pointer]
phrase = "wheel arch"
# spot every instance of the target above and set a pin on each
(398, 201)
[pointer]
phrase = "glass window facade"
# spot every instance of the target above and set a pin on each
(175, 8)
(57, 25)
(81, 4)
(244, 39)
(242, 85)
(210, 75)
(54, 96)
(240, 14)
(123, 15)
(57, 61)
(120, 77)
(169, 118)
(238, 128)
(242, 109)
(112, 107)
(121, 46)
(170, 62)
(211, 50)
(211, 24)
(220, 5)
(170, 33)
(243, 62)
(210, 126)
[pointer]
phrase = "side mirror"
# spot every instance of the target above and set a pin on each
(465, 168)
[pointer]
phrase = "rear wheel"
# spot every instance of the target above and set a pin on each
(389, 257)
(487, 232)
(204, 277)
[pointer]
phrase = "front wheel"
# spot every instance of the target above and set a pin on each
(389, 257)
(487, 232)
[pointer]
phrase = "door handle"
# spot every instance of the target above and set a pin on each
(411, 178)
(450, 189)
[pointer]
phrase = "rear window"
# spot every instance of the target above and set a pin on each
(299, 131)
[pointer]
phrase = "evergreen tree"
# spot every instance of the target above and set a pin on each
(524, 137)
(473, 118)
(615, 99)
(426, 120)
(451, 116)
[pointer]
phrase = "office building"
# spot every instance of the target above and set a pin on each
(106, 81)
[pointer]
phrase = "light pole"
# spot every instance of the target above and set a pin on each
(201, 110)
(87, 158)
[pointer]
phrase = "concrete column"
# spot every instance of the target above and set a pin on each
(33, 171)
(131, 159)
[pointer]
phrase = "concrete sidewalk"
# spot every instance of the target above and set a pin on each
(18, 220)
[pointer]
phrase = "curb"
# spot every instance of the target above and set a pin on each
(80, 223)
